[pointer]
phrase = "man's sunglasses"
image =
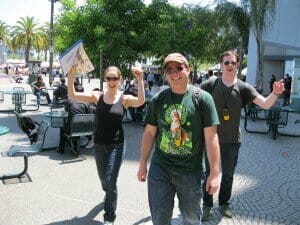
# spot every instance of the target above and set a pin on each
(175, 70)
(227, 63)
(112, 78)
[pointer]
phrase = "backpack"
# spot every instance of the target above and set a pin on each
(30, 127)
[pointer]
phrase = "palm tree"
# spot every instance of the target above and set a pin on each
(4, 32)
(46, 30)
(25, 34)
(42, 43)
(262, 13)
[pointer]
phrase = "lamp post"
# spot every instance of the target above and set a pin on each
(51, 48)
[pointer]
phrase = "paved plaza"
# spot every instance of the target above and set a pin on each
(62, 189)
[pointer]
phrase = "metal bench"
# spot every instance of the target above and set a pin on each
(26, 150)
(80, 125)
(252, 124)
(276, 118)
(1, 96)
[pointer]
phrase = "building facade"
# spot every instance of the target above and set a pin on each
(281, 48)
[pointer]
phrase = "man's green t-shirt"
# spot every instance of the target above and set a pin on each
(179, 143)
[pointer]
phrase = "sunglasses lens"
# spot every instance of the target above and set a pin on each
(227, 63)
(176, 70)
(180, 68)
(112, 78)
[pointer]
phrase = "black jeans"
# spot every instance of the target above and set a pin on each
(109, 158)
(229, 158)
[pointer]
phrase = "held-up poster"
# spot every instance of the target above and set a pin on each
(76, 56)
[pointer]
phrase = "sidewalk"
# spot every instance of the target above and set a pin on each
(65, 190)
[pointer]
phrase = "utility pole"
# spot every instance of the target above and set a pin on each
(51, 47)
(101, 70)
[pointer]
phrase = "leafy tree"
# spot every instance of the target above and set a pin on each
(113, 31)
(122, 32)
(199, 34)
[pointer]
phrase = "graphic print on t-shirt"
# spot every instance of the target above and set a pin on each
(176, 140)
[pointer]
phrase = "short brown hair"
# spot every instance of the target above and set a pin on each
(228, 53)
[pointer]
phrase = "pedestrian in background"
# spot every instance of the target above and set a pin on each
(151, 80)
(273, 79)
(287, 90)
(180, 132)
(231, 95)
(109, 134)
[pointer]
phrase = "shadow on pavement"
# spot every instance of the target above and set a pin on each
(88, 219)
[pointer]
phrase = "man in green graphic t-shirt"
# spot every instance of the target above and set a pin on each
(181, 131)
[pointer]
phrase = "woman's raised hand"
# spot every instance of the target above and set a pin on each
(73, 71)
(137, 73)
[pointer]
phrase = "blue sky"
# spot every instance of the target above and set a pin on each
(12, 10)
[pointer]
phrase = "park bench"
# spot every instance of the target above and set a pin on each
(1, 96)
(80, 125)
(26, 149)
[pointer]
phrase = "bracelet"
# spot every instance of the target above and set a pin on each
(275, 94)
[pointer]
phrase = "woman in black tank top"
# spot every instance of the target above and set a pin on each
(109, 134)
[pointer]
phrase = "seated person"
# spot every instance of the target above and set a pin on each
(38, 91)
(73, 107)
(61, 93)
(78, 86)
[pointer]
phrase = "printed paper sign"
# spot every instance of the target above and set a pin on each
(76, 56)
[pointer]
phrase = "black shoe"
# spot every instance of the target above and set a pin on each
(206, 213)
(60, 150)
(226, 210)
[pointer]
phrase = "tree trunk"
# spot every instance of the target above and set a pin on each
(241, 54)
(46, 56)
(26, 55)
(260, 66)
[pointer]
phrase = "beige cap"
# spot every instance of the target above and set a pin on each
(175, 57)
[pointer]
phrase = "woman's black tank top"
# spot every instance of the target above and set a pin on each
(108, 129)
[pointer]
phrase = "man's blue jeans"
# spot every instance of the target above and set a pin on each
(40, 93)
(163, 185)
(108, 161)
(229, 158)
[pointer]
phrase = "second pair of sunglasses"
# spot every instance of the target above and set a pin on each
(227, 63)
(112, 78)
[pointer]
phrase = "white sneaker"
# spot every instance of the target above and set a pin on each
(90, 143)
(108, 223)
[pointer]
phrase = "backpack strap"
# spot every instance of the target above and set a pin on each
(212, 84)
(197, 100)
(162, 94)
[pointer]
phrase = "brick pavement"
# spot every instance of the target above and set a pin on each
(66, 189)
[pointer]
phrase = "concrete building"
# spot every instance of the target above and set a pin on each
(281, 48)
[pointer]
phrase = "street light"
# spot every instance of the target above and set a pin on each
(51, 48)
